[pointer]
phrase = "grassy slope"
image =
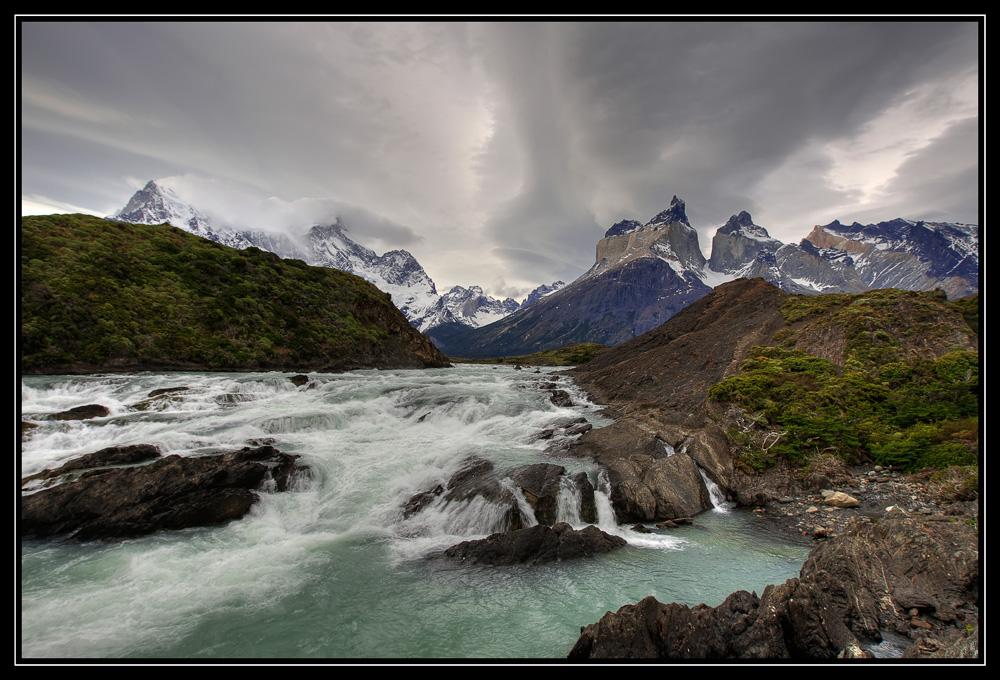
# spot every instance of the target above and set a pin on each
(97, 294)
(904, 389)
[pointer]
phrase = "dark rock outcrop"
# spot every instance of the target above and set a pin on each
(903, 574)
(588, 504)
(560, 398)
(27, 427)
(159, 397)
(475, 478)
(535, 545)
(540, 483)
(112, 455)
(644, 489)
(653, 467)
(82, 413)
(166, 390)
(170, 493)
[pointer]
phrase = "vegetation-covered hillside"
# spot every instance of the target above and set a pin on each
(104, 295)
(888, 376)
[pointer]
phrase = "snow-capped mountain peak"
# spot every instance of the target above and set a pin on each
(154, 204)
(674, 213)
(743, 225)
(542, 292)
(668, 237)
(328, 244)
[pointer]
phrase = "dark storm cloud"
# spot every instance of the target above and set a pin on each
(502, 151)
(627, 115)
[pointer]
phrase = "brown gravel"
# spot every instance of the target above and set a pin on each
(876, 491)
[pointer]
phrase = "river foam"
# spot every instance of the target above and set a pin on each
(332, 568)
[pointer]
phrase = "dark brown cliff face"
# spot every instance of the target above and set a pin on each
(670, 369)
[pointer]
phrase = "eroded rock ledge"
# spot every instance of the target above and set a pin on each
(530, 534)
(902, 574)
(655, 468)
(535, 545)
(172, 492)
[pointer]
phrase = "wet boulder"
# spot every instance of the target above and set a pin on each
(535, 545)
(560, 398)
(476, 478)
(650, 479)
(588, 504)
(171, 492)
(159, 397)
(540, 484)
(112, 455)
(630, 497)
(82, 413)
(677, 487)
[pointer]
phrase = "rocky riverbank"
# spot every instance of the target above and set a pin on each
(914, 578)
(866, 493)
(896, 554)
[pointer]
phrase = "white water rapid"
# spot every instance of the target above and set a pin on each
(331, 569)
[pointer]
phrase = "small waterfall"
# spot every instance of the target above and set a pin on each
(472, 517)
(719, 501)
(569, 503)
(527, 512)
(606, 519)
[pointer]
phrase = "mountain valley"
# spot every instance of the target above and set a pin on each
(395, 272)
(643, 274)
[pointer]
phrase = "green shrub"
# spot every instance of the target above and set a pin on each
(906, 413)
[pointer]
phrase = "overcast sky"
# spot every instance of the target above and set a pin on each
(499, 153)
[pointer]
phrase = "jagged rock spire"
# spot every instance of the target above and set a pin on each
(737, 221)
(623, 227)
(675, 213)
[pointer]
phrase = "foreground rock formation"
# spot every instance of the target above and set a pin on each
(915, 575)
(535, 545)
(902, 574)
(172, 492)
(525, 502)
(537, 484)
(657, 388)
